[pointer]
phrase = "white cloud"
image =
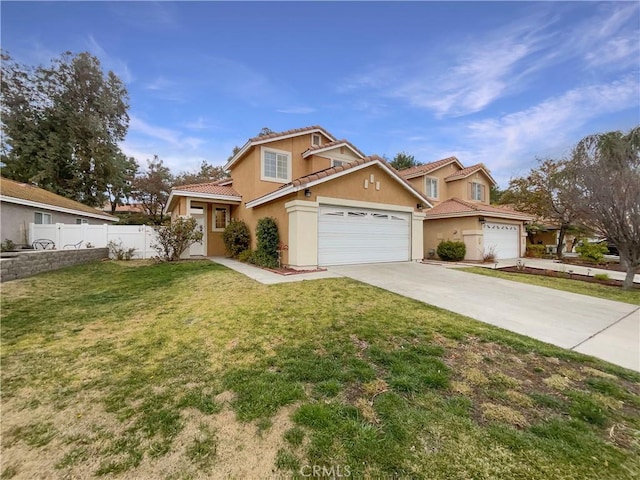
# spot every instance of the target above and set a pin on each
(556, 123)
(119, 67)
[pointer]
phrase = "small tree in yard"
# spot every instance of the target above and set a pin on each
(606, 169)
(174, 239)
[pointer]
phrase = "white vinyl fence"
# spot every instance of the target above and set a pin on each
(65, 235)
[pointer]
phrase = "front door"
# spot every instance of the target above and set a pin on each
(198, 247)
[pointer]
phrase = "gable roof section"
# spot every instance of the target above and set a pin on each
(277, 136)
(465, 172)
(330, 146)
(331, 173)
(456, 207)
(205, 191)
(32, 196)
(419, 170)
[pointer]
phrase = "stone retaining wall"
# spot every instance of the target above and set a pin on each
(27, 263)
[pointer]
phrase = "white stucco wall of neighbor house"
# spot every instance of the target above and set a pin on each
(15, 220)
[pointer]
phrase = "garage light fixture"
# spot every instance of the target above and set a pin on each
(420, 206)
(482, 220)
(307, 192)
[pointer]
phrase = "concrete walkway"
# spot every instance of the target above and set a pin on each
(605, 329)
(267, 277)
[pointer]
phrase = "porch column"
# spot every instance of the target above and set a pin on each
(303, 233)
(417, 230)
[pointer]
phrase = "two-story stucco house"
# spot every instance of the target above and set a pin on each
(333, 205)
(461, 210)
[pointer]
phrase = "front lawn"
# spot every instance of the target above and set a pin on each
(566, 284)
(191, 370)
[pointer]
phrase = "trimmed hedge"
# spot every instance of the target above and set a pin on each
(535, 251)
(236, 238)
(268, 240)
(450, 251)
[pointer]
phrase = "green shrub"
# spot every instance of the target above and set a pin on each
(268, 240)
(119, 251)
(246, 256)
(535, 251)
(7, 245)
(173, 240)
(236, 238)
(601, 276)
(452, 251)
(592, 251)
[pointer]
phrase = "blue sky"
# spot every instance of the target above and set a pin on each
(499, 83)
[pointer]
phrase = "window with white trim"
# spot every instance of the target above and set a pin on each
(81, 221)
(477, 191)
(276, 165)
(431, 187)
(338, 163)
(220, 219)
(40, 218)
(316, 140)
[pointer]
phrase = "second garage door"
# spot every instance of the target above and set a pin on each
(356, 235)
(503, 238)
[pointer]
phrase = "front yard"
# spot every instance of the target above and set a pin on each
(190, 370)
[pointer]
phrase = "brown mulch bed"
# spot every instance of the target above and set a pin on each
(613, 266)
(572, 276)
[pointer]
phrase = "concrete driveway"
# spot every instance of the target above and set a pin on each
(602, 328)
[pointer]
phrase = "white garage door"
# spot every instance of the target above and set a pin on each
(504, 238)
(355, 235)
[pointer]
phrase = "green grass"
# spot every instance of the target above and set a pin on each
(192, 370)
(574, 286)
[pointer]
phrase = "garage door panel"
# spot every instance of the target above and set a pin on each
(351, 235)
(504, 238)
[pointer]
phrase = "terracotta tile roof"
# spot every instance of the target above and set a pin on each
(456, 205)
(428, 167)
(465, 172)
(334, 144)
(210, 187)
(290, 132)
(331, 171)
(24, 191)
(328, 172)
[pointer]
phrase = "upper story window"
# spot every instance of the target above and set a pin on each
(338, 163)
(316, 140)
(81, 221)
(477, 191)
(42, 218)
(431, 187)
(275, 165)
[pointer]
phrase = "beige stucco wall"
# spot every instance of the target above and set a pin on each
(454, 229)
(461, 189)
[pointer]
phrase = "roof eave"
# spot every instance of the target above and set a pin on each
(56, 208)
(293, 189)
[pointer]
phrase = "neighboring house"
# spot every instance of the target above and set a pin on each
(127, 208)
(333, 205)
(22, 204)
(462, 212)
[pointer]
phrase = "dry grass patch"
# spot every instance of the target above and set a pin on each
(475, 376)
(558, 382)
(500, 413)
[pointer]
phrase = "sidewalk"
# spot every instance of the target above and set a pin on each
(269, 278)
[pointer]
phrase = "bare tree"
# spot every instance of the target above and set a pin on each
(547, 193)
(606, 169)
